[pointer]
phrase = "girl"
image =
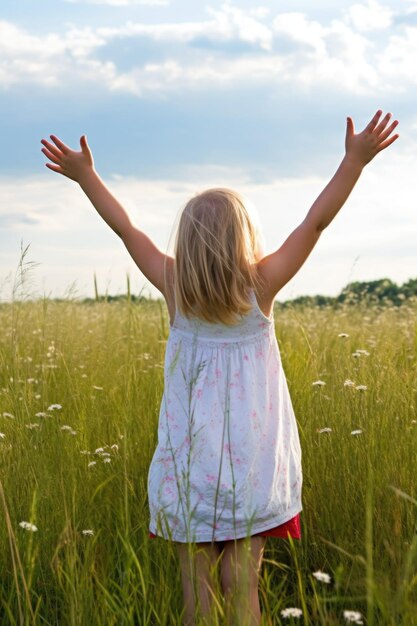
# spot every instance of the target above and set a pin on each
(226, 472)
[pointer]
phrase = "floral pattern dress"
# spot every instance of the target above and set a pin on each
(228, 460)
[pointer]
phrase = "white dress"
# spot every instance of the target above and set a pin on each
(228, 460)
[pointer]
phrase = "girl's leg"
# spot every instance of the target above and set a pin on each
(240, 567)
(198, 565)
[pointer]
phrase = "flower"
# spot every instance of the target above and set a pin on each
(9, 415)
(318, 383)
(322, 576)
(349, 383)
(325, 430)
(361, 387)
(365, 352)
(92, 463)
(99, 451)
(114, 447)
(353, 616)
(106, 460)
(32, 426)
(2, 435)
(28, 526)
(343, 335)
(88, 532)
(98, 388)
(41, 414)
(54, 407)
(291, 612)
(356, 432)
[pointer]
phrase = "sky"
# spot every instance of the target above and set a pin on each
(177, 96)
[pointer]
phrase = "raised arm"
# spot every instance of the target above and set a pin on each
(280, 266)
(79, 166)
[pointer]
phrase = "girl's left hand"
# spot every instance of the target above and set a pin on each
(71, 163)
(362, 147)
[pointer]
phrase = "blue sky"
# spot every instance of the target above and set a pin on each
(177, 96)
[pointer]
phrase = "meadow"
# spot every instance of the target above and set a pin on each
(80, 390)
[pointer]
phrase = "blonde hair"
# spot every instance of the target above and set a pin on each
(215, 254)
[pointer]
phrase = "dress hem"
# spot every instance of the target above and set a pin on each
(227, 536)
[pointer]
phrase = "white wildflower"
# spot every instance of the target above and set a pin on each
(98, 388)
(88, 532)
(107, 460)
(37, 396)
(349, 383)
(41, 414)
(356, 354)
(361, 387)
(54, 407)
(98, 450)
(91, 463)
(31, 380)
(85, 452)
(105, 454)
(365, 352)
(114, 447)
(322, 576)
(28, 526)
(318, 383)
(356, 432)
(2, 435)
(325, 430)
(84, 376)
(291, 612)
(353, 616)
(66, 427)
(32, 426)
(343, 335)
(9, 415)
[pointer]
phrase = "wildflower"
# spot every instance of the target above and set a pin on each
(107, 460)
(343, 335)
(361, 387)
(98, 388)
(291, 612)
(356, 354)
(84, 376)
(325, 430)
(365, 352)
(41, 414)
(32, 380)
(28, 526)
(99, 451)
(114, 447)
(32, 426)
(37, 396)
(349, 383)
(356, 432)
(2, 435)
(9, 415)
(318, 383)
(322, 576)
(353, 616)
(54, 407)
(91, 463)
(85, 452)
(66, 427)
(88, 532)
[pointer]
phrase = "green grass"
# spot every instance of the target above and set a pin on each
(103, 364)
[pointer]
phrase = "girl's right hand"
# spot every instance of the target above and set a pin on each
(71, 163)
(362, 147)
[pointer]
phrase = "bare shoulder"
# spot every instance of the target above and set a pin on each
(263, 293)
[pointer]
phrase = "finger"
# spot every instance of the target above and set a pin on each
(51, 156)
(60, 144)
(350, 127)
(387, 143)
(51, 148)
(374, 121)
(55, 168)
(388, 131)
(383, 124)
(83, 144)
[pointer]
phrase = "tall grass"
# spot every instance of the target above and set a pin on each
(102, 364)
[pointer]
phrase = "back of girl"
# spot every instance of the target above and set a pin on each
(226, 472)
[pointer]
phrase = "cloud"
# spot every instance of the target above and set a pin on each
(364, 51)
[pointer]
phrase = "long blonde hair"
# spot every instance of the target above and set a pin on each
(215, 253)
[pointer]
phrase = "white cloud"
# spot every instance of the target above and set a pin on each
(346, 54)
(370, 16)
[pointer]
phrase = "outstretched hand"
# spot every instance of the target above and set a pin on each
(377, 136)
(70, 163)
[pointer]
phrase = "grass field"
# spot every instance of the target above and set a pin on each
(79, 400)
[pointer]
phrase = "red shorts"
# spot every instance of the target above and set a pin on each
(291, 527)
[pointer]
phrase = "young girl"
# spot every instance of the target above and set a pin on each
(226, 472)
